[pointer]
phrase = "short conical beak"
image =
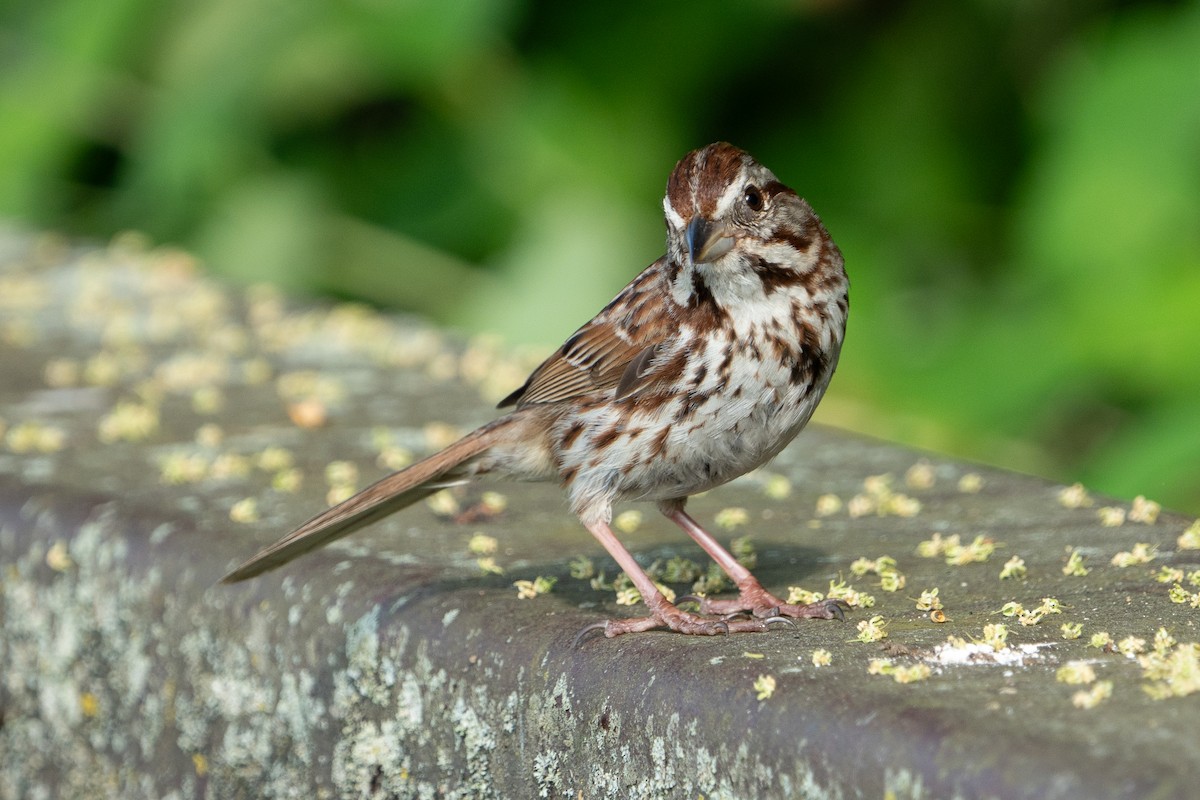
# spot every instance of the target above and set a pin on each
(705, 241)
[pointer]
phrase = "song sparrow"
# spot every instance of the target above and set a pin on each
(704, 367)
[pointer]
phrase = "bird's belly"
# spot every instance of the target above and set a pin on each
(717, 444)
(679, 445)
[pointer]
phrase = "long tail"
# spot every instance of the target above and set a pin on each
(377, 501)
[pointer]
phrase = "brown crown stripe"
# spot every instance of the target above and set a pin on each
(704, 174)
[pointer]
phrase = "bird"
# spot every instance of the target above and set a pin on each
(701, 369)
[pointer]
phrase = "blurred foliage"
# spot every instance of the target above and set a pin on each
(1015, 183)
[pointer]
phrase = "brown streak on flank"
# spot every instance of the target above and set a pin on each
(691, 404)
(726, 364)
(800, 371)
(778, 346)
(648, 402)
(568, 475)
(571, 435)
(659, 445)
(813, 358)
(606, 438)
(810, 338)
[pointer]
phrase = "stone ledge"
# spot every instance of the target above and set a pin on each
(391, 666)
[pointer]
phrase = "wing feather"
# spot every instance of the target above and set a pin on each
(598, 357)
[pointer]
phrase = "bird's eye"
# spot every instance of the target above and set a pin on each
(753, 198)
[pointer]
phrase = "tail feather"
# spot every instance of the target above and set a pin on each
(384, 497)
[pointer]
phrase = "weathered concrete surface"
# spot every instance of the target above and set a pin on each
(390, 665)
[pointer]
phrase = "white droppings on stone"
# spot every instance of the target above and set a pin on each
(976, 654)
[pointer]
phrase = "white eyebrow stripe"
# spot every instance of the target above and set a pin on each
(731, 196)
(673, 217)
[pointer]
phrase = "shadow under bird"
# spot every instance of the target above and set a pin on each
(701, 369)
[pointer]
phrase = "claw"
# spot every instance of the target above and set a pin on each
(690, 598)
(767, 612)
(768, 621)
(835, 608)
(587, 631)
(837, 611)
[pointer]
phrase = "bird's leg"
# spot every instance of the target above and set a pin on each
(752, 597)
(663, 613)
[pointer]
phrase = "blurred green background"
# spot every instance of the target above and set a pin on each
(1015, 183)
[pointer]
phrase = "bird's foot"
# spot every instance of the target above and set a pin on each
(761, 604)
(674, 619)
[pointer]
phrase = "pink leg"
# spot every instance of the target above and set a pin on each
(663, 614)
(752, 596)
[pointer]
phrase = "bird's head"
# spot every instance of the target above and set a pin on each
(718, 197)
(734, 227)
